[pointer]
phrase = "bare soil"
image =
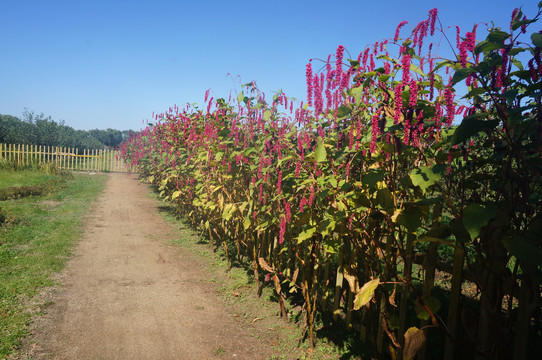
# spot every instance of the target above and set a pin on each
(127, 294)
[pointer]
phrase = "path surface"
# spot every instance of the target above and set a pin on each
(126, 294)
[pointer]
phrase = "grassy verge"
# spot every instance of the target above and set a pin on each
(18, 178)
(36, 243)
(238, 288)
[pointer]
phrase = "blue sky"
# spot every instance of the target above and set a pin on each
(111, 64)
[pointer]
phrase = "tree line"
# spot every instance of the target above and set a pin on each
(38, 129)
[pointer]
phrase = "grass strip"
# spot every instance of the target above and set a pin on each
(36, 244)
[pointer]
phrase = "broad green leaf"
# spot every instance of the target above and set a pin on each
(411, 217)
(486, 47)
(343, 111)
(356, 93)
(537, 40)
(384, 199)
(246, 223)
(462, 74)
(431, 302)
(424, 177)
(267, 114)
(320, 153)
(470, 126)
(476, 216)
(414, 341)
(228, 212)
(175, 194)
(373, 177)
(366, 293)
(307, 234)
(497, 36)
(525, 251)
(240, 97)
(517, 24)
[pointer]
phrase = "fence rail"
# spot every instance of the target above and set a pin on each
(63, 157)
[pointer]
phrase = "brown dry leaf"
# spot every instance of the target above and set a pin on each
(352, 279)
(276, 281)
(414, 340)
(265, 265)
(294, 278)
(392, 297)
(391, 335)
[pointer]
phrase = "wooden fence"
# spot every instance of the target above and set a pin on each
(64, 158)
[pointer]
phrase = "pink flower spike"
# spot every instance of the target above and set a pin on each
(433, 18)
(401, 24)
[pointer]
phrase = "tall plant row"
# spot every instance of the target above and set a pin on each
(339, 199)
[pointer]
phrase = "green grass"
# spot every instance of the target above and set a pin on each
(17, 178)
(36, 243)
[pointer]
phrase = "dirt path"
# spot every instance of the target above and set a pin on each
(128, 295)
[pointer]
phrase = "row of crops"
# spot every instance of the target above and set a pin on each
(361, 200)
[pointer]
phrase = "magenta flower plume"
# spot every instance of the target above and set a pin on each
(463, 53)
(413, 93)
(401, 24)
(432, 19)
(339, 57)
(282, 229)
(450, 106)
(398, 103)
(405, 63)
(457, 38)
(308, 74)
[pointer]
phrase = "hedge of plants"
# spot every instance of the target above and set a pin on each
(394, 156)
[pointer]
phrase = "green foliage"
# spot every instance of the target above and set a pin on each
(357, 183)
(41, 130)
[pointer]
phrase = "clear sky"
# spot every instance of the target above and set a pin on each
(112, 63)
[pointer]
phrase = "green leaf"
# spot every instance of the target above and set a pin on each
(476, 216)
(537, 40)
(343, 111)
(425, 176)
(411, 218)
(320, 153)
(356, 93)
(229, 210)
(246, 223)
(267, 114)
(175, 194)
(414, 341)
(517, 24)
(497, 36)
(240, 97)
(366, 293)
(306, 234)
(431, 302)
(471, 126)
(462, 74)
(384, 199)
(523, 250)
(373, 177)
(486, 47)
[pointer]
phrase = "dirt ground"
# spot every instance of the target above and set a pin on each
(127, 294)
